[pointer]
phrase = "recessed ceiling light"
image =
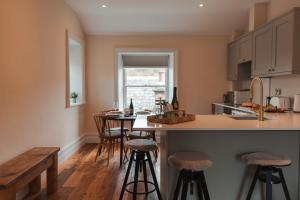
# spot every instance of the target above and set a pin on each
(104, 6)
(201, 5)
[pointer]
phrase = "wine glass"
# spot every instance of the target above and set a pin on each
(116, 105)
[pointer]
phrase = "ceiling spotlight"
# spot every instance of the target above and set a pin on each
(104, 6)
(201, 5)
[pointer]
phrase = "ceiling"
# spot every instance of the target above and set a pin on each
(132, 17)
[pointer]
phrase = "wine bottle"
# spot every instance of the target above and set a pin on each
(131, 111)
(175, 103)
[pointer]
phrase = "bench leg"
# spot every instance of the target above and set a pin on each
(52, 173)
(8, 194)
(35, 188)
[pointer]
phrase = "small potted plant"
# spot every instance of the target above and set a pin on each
(74, 96)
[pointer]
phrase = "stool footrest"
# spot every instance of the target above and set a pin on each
(140, 193)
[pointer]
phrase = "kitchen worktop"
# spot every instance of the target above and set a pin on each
(275, 121)
(235, 107)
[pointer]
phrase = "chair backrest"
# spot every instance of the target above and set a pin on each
(100, 121)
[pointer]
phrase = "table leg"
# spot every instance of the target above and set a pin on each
(52, 174)
(122, 143)
(131, 123)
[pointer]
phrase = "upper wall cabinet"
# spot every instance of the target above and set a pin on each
(239, 52)
(245, 48)
(276, 45)
(233, 56)
(262, 51)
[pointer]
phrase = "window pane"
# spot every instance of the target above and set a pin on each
(145, 76)
(144, 97)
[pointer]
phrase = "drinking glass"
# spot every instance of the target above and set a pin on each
(116, 105)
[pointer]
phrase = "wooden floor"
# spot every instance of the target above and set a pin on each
(80, 177)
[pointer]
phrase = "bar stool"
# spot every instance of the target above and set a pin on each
(267, 166)
(141, 154)
(191, 166)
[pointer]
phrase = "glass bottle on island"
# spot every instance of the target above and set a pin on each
(131, 110)
(174, 102)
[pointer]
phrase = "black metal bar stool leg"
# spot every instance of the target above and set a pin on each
(153, 175)
(204, 186)
(253, 184)
(269, 185)
(285, 189)
(185, 186)
(126, 176)
(178, 185)
(145, 175)
(136, 175)
(199, 188)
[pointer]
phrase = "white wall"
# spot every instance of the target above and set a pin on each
(33, 76)
(201, 69)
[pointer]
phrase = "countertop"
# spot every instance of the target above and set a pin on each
(239, 108)
(278, 121)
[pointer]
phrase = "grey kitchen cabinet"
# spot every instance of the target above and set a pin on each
(239, 52)
(283, 44)
(233, 55)
(245, 48)
(276, 46)
(262, 51)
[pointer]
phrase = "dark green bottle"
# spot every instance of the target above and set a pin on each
(174, 102)
(131, 111)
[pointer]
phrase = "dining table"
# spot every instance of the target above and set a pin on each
(122, 118)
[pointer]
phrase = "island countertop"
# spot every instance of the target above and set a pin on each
(278, 121)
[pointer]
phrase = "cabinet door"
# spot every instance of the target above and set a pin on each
(245, 49)
(262, 51)
(283, 44)
(232, 62)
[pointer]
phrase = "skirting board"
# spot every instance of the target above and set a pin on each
(93, 138)
(70, 149)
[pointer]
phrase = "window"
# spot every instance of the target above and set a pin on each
(144, 77)
(75, 67)
(144, 86)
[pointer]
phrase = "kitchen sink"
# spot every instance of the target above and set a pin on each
(245, 117)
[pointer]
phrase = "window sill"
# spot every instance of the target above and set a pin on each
(76, 104)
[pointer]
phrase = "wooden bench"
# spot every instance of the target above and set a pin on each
(26, 169)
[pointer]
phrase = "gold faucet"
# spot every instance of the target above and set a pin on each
(261, 106)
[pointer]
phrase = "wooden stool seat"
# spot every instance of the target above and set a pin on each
(141, 145)
(195, 161)
(138, 135)
(265, 159)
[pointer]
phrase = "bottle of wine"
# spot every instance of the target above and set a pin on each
(131, 111)
(175, 103)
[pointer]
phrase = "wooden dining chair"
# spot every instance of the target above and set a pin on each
(108, 135)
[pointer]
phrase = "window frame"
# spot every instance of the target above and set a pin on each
(119, 72)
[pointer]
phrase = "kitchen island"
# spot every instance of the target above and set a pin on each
(225, 139)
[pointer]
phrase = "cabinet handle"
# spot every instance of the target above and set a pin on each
(273, 70)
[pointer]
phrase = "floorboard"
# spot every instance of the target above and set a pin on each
(80, 177)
